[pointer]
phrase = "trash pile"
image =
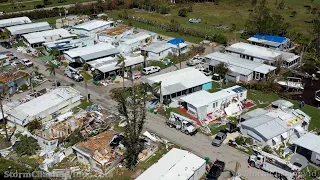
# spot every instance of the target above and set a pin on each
(28, 50)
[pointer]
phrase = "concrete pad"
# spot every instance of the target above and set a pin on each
(231, 136)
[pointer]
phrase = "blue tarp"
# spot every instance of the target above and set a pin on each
(266, 37)
(176, 41)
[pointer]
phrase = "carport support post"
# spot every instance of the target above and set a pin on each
(295, 149)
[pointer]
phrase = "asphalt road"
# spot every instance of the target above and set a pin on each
(198, 144)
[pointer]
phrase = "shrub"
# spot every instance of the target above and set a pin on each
(33, 125)
(183, 12)
(240, 140)
(249, 141)
(267, 149)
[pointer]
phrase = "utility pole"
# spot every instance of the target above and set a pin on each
(3, 118)
(179, 54)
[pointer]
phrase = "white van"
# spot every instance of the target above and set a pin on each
(150, 70)
(73, 73)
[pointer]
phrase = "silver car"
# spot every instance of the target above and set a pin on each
(220, 137)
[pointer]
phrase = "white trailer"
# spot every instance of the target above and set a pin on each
(280, 168)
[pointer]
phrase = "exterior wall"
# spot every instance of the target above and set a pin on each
(78, 31)
(47, 145)
(198, 173)
(207, 86)
(158, 56)
(233, 78)
(315, 158)
(83, 159)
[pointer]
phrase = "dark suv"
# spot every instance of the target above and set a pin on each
(216, 169)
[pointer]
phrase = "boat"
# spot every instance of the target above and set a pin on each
(292, 83)
(317, 95)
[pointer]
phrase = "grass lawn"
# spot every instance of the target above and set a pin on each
(51, 21)
(83, 105)
(167, 112)
(228, 12)
(310, 170)
(8, 7)
(20, 43)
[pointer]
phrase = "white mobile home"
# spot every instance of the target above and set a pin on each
(69, 43)
(202, 104)
(274, 126)
(241, 69)
(270, 41)
(114, 35)
(90, 53)
(106, 67)
(135, 41)
(262, 54)
(176, 164)
(45, 107)
(180, 82)
(91, 27)
(19, 30)
(157, 50)
(14, 21)
(309, 146)
(36, 39)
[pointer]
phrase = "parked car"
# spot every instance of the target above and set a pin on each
(150, 70)
(215, 171)
(26, 62)
(15, 63)
(220, 137)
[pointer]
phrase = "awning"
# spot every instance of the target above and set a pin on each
(275, 139)
(284, 135)
(299, 128)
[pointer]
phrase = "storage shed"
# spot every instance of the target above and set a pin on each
(308, 145)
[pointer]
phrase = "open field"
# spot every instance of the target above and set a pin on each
(29, 4)
(228, 12)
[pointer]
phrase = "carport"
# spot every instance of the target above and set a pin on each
(308, 145)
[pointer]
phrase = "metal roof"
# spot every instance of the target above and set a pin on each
(92, 25)
(282, 103)
(255, 51)
(157, 47)
(265, 42)
(135, 38)
(29, 28)
(188, 77)
(100, 54)
(309, 141)
(176, 164)
(237, 64)
(78, 52)
(14, 21)
(47, 36)
(110, 63)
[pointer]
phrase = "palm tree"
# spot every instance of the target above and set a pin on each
(157, 87)
(85, 76)
(121, 63)
(238, 165)
(52, 70)
(54, 53)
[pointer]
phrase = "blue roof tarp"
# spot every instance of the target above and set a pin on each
(176, 41)
(266, 37)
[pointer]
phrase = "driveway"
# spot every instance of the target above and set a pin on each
(198, 144)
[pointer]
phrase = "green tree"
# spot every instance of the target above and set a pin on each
(316, 31)
(267, 149)
(254, 2)
(26, 146)
(261, 20)
(221, 69)
(121, 63)
(86, 78)
(281, 5)
(183, 12)
(74, 138)
(52, 70)
(54, 53)
(46, 2)
(132, 107)
(190, 9)
(34, 125)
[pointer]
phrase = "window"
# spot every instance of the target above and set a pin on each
(215, 104)
(241, 94)
(318, 157)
